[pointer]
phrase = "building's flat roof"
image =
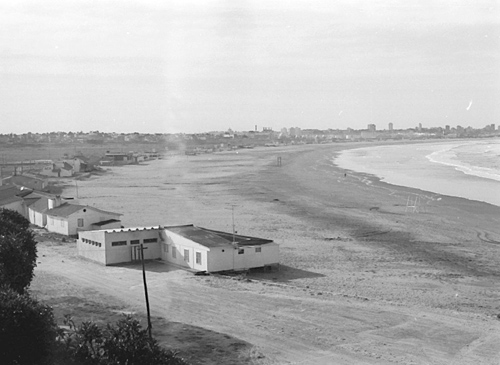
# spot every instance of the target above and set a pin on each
(128, 229)
(203, 236)
(211, 238)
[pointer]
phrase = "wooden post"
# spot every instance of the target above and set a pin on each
(146, 292)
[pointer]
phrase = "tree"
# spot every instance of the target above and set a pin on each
(126, 343)
(17, 251)
(27, 329)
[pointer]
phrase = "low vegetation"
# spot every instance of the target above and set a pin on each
(29, 334)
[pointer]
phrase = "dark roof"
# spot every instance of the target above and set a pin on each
(211, 238)
(25, 192)
(20, 179)
(66, 166)
(66, 209)
(8, 194)
(39, 193)
(7, 191)
(9, 200)
(103, 223)
(239, 239)
(30, 201)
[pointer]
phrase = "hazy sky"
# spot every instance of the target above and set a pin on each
(193, 66)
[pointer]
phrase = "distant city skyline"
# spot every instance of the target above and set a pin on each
(197, 66)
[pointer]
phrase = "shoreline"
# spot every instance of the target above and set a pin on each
(346, 246)
(425, 174)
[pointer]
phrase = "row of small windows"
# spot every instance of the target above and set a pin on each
(120, 243)
(90, 242)
(134, 242)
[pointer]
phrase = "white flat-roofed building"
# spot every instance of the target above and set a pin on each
(115, 246)
(187, 246)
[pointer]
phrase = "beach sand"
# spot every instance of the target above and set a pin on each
(363, 278)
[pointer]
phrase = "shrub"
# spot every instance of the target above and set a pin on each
(124, 344)
(12, 222)
(27, 329)
(17, 250)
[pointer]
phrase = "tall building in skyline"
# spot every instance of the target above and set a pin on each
(372, 127)
(391, 126)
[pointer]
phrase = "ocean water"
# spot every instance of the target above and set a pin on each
(467, 169)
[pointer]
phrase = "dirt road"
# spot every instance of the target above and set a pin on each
(360, 280)
(289, 325)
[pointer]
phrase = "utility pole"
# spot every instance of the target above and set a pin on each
(146, 292)
(76, 184)
(232, 206)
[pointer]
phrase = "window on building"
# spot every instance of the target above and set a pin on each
(135, 242)
(174, 253)
(258, 249)
(61, 222)
(165, 248)
(198, 258)
(241, 251)
(80, 222)
(150, 240)
(186, 255)
(119, 243)
(99, 244)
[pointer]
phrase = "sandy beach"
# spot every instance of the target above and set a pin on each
(363, 278)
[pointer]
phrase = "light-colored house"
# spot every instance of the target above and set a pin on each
(188, 246)
(58, 169)
(69, 219)
(38, 203)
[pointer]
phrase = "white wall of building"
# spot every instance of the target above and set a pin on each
(91, 246)
(251, 257)
(221, 259)
(89, 217)
(120, 245)
(81, 220)
(182, 251)
(58, 225)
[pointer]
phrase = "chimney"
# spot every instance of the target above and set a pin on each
(51, 203)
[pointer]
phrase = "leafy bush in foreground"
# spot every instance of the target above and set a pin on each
(126, 343)
(17, 251)
(27, 329)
